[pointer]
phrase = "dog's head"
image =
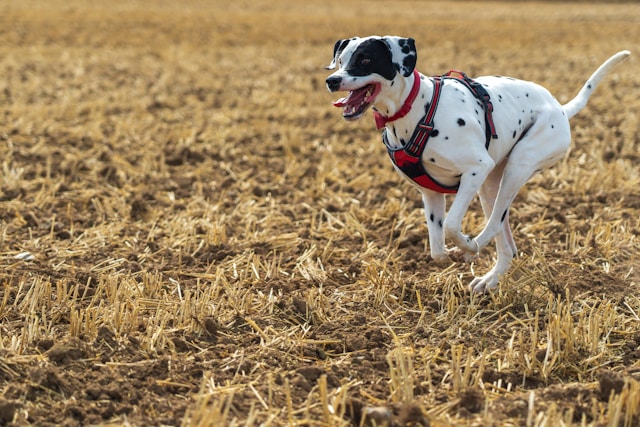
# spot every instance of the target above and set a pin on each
(367, 68)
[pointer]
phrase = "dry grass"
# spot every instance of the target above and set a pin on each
(191, 235)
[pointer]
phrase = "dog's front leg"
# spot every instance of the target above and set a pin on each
(470, 182)
(434, 212)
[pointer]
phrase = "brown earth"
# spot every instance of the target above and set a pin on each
(191, 235)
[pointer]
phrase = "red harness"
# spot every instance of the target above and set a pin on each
(408, 157)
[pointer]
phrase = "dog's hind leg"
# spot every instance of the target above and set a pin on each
(544, 144)
(505, 245)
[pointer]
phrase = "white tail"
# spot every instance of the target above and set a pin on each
(574, 106)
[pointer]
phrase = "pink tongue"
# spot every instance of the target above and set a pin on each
(353, 98)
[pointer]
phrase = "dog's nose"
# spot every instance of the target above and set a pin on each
(333, 83)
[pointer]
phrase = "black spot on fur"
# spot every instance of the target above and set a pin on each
(504, 215)
(431, 217)
(526, 94)
(461, 122)
(432, 160)
(446, 138)
(552, 127)
(435, 132)
(440, 223)
(514, 134)
(520, 121)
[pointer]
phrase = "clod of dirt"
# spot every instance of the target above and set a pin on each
(471, 400)
(301, 382)
(211, 329)
(63, 235)
(47, 378)
(76, 412)
(411, 414)
(139, 209)
(541, 354)
(376, 337)
(181, 345)
(332, 379)
(45, 344)
(300, 306)
(610, 381)
(311, 373)
(517, 408)
(105, 335)
(7, 410)
(111, 392)
(65, 352)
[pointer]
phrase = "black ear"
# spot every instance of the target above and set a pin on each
(337, 50)
(403, 53)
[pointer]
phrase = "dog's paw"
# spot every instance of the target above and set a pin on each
(441, 259)
(481, 285)
(458, 255)
(464, 242)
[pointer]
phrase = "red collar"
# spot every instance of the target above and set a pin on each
(406, 107)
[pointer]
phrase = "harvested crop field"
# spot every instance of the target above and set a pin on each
(191, 235)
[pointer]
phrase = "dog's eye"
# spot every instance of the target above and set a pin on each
(365, 61)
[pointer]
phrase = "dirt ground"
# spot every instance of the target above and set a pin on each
(190, 234)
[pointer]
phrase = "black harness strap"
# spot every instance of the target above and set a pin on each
(481, 95)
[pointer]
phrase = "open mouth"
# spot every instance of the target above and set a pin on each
(358, 100)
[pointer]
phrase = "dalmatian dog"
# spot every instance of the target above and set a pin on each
(529, 132)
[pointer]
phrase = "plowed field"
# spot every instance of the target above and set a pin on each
(190, 234)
